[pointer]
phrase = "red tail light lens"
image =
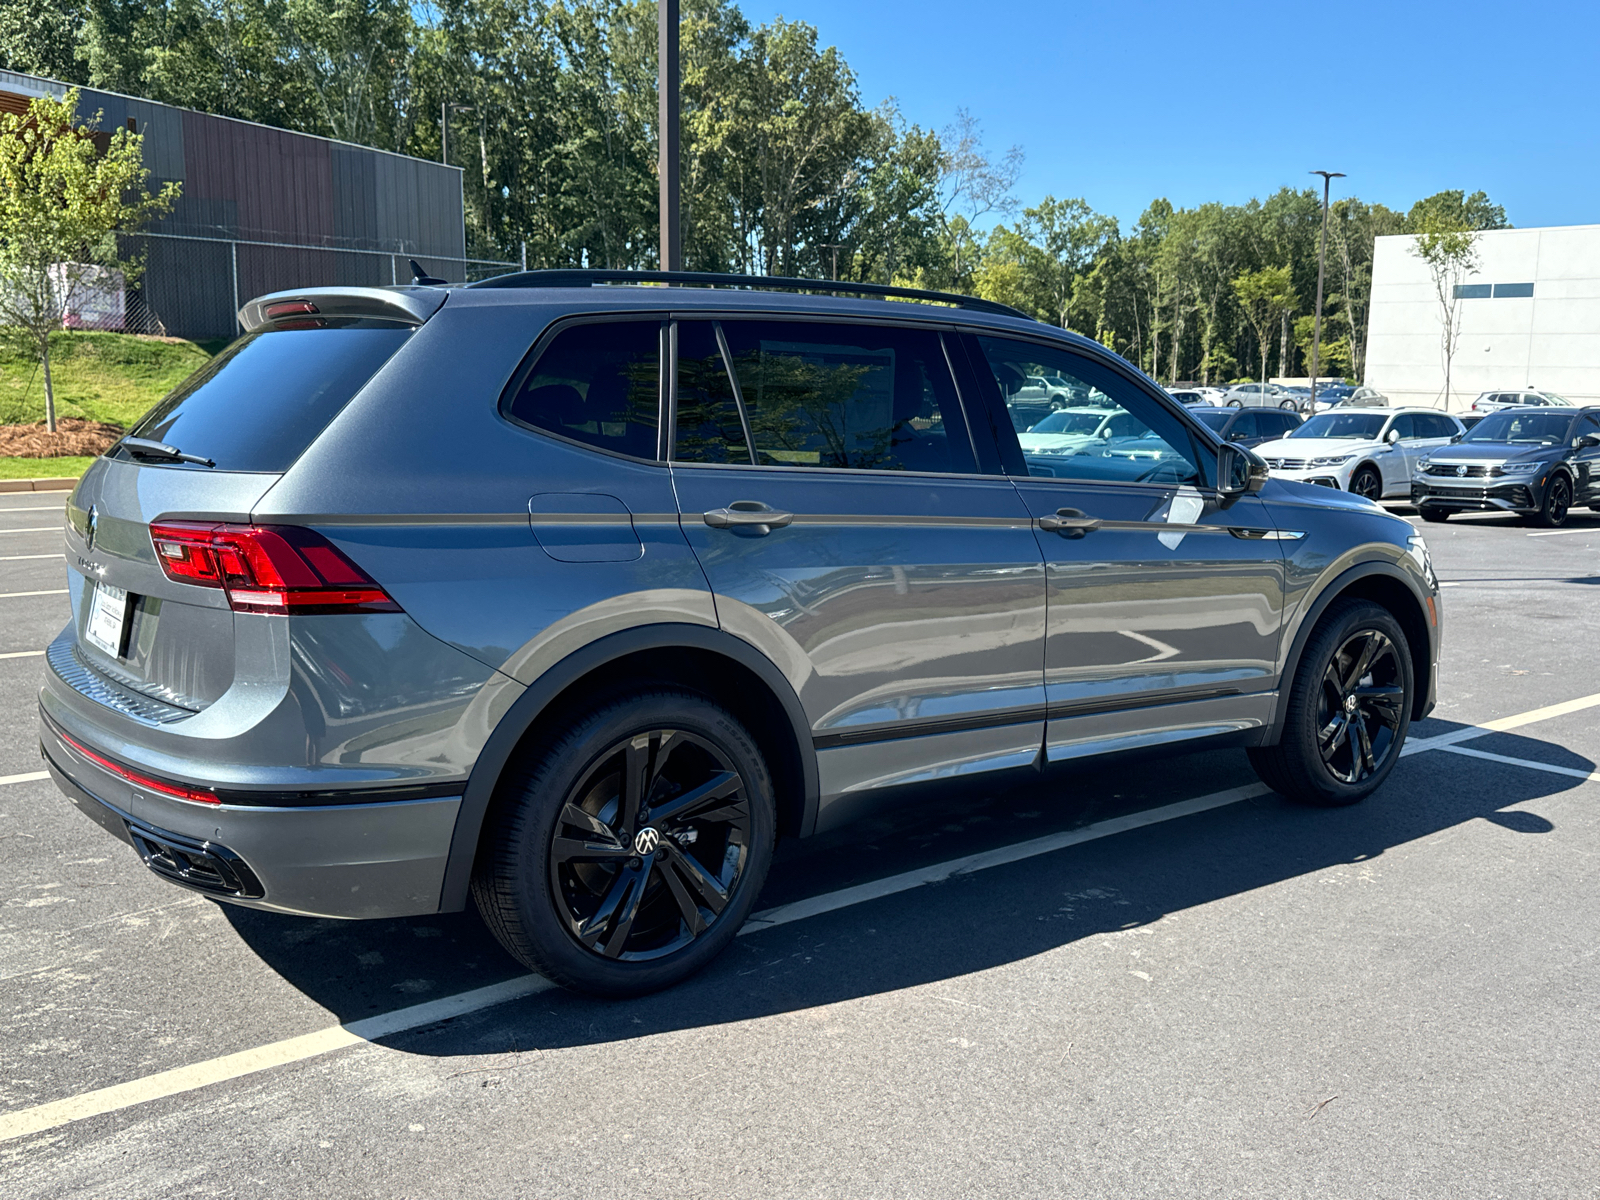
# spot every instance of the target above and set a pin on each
(267, 568)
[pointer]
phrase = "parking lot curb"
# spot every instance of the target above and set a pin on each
(63, 484)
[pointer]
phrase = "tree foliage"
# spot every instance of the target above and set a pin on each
(63, 200)
(552, 112)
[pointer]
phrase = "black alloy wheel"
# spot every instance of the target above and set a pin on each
(1367, 484)
(649, 845)
(1557, 504)
(627, 846)
(1347, 710)
(1358, 716)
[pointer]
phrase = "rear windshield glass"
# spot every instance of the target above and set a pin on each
(261, 402)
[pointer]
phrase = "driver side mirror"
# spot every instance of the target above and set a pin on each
(1394, 436)
(1239, 471)
(1587, 442)
(1454, 438)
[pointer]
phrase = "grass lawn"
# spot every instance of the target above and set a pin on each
(43, 468)
(113, 377)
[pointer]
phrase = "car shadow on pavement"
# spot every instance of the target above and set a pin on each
(933, 933)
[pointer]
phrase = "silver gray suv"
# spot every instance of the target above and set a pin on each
(574, 596)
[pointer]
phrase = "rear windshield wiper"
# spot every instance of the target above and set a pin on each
(145, 448)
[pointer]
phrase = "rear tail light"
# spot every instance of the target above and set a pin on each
(138, 779)
(267, 568)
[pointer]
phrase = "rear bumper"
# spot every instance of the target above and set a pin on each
(365, 860)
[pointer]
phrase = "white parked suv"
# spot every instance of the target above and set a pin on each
(1494, 401)
(1260, 395)
(1372, 452)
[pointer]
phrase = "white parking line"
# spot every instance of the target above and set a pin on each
(297, 1049)
(35, 529)
(23, 654)
(4, 508)
(19, 595)
(1560, 532)
(26, 777)
(25, 557)
(1591, 776)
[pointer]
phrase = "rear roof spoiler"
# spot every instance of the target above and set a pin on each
(412, 305)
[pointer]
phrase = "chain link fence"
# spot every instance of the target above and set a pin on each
(193, 287)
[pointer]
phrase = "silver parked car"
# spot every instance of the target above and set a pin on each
(1488, 402)
(573, 597)
(1260, 395)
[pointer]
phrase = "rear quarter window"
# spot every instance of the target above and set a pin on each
(257, 405)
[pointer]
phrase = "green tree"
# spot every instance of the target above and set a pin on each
(1450, 253)
(1455, 210)
(62, 204)
(40, 37)
(1265, 296)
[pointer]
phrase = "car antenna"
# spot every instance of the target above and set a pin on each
(422, 278)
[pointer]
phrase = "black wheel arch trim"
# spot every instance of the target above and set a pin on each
(532, 704)
(1332, 591)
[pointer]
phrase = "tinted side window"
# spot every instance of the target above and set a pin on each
(596, 383)
(1442, 427)
(1404, 425)
(1246, 425)
(848, 396)
(261, 402)
(1141, 441)
(1276, 424)
(709, 429)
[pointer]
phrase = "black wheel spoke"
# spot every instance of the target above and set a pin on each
(681, 808)
(1363, 662)
(608, 926)
(635, 767)
(1365, 763)
(667, 868)
(709, 890)
(1327, 736)
(1340, 735)
(1383, 700)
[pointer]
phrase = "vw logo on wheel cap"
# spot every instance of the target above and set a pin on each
(1461, 472)
(646, 841)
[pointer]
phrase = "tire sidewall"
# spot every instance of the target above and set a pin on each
(1337, 628)
(544, 791)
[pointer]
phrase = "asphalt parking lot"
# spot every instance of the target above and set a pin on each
(1152, 978)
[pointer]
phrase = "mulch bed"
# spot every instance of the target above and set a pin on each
(73, 436)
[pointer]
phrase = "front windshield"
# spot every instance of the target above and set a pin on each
(1214, 419)
(1521, 427)
(1351, 426)
(1069, 422)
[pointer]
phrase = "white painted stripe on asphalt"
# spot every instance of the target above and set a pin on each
(35, 529)
(1574, 772)
(1560, 532)
(246, 1062)
(24, 557)
(23, 654)
(1499, 725)
(5, 508)
(19, 595)
(26, 777)
(261, 1058)
(816, 905)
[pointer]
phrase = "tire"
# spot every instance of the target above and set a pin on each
(1319, 757)
(1367, 483)
(1557, 504)
(1290, 405)
(1234, 403)
(1436, 515)
(614, 904)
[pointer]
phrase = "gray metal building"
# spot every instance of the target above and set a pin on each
(264, 209)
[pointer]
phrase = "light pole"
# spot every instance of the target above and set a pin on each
(668, 78)
(445, 109)
(1322, 253)
(835, 247)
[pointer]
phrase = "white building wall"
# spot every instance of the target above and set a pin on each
(1550, 340)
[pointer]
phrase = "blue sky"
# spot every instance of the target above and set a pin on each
(1123, 102)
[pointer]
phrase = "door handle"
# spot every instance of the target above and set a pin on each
(1069, 522)
(751, 515)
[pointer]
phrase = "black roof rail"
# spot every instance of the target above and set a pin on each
(585, 277)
